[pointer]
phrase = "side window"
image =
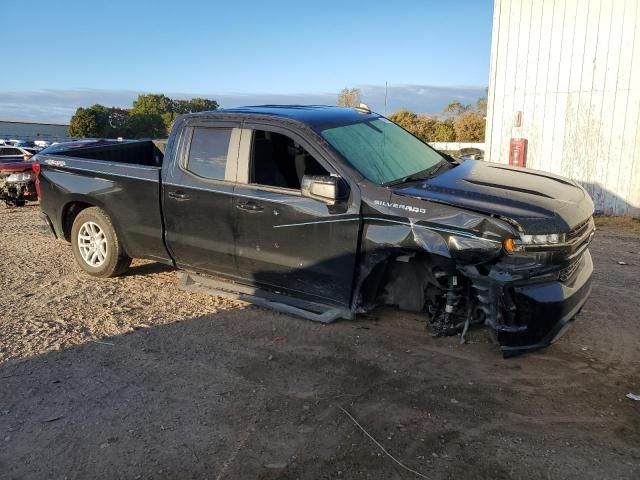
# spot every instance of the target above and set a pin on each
(10, 151)
(208, 152)
(279, 161)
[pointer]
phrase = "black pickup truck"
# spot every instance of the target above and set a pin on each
(328, 212)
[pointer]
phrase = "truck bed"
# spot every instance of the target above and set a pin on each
(144, 152)
(123, 179)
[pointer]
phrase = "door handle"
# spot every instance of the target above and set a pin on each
(178, 195)
(251, 207)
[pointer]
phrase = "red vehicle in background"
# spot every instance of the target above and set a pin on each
(17, 175)
(17, 182)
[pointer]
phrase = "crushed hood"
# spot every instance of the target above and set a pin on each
(539, 202)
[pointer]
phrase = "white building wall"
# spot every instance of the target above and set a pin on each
(33, 131)
(572, 67)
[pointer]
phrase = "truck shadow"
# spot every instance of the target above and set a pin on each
(256, 394)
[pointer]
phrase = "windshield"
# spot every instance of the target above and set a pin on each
(381, 150)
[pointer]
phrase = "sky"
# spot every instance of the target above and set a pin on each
(76, 53)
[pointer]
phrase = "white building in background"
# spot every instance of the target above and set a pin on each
(20, 130)
(565, 76)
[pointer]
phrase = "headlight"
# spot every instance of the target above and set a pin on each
(20, 177)
(512, 245)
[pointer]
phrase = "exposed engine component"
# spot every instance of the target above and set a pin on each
(463, 305)
(16, 188)
(433, 285)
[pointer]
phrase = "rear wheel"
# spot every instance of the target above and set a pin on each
(96, 246)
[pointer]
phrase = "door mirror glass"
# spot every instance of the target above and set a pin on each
(322, 187)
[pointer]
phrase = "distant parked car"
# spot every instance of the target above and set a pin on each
(471, 154)
(42, 143)
(19, 143)
(11, 154)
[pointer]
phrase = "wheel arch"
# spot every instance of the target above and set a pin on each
(405, 270)
(77, 204)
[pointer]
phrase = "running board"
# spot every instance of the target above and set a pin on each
(317, 312)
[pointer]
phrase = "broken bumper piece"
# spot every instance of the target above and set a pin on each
(545, 310)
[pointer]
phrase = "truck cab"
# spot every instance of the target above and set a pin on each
(236, 202)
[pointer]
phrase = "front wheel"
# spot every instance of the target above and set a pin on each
(96, 246)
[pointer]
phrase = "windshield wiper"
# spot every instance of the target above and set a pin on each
(450, 159)
(421, 175)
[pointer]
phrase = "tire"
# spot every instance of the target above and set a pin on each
(96, 246)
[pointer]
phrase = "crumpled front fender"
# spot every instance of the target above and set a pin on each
(451, 238)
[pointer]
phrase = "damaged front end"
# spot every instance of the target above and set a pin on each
(17, 187)
(466, 269)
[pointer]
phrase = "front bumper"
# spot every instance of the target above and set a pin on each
(16, 193)
(544, 311)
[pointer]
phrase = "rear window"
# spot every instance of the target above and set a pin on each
(208, 152)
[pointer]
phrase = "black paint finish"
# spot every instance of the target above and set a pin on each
(539, 202)
(296, 244)
(302, 247)
(128, 193)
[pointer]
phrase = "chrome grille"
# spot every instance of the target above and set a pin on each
(579, 230)
(567, 272)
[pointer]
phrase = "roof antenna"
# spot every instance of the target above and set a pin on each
(384, 131)
(386, 90)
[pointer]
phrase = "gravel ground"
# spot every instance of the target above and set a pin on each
(133, 378)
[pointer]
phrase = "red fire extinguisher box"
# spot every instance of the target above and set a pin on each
(518, 152)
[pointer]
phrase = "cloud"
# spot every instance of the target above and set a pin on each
(60, 105)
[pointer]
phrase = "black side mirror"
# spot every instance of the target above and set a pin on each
(323, 187)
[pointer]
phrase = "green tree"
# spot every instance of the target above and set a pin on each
(426, 127)
(150, 116)
(458, 122)
(445, 132)
(180, 107)
(454, 109)
(146, 125)
(193, 105)
(83, 124)
(421, 125)
(405, 118)
(469, 127)
(118, 123)
(90, 122)
(152, 106)
(349, 97)
(158, 105)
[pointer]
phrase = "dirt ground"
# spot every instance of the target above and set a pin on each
(132, 378)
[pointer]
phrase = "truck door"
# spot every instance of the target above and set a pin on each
(197, 197)
(287, 242)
